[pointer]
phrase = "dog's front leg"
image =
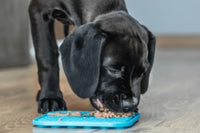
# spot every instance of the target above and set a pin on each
(49, 97)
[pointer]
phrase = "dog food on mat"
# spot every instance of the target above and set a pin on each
(85, 119)
(100, 114)
(108, 114)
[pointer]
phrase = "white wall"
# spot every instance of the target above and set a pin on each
(167, 16)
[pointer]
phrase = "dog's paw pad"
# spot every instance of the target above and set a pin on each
(46, 105)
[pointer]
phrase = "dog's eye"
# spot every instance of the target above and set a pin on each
(113, 70)
(117, 70)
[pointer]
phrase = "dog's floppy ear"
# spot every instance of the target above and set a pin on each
(81, 58)
(151, 53)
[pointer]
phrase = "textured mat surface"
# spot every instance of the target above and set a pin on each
(83, 121)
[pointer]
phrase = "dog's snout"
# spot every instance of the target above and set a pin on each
(124, 101)
(127, 109)
(116, 99)
(123, 96)
(135, 101)
(119, 97)
(129, 104)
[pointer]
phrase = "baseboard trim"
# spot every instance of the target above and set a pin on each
(178, 41)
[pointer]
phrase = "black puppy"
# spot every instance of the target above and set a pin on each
(107, 58)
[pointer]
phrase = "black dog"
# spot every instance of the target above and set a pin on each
(107, 58)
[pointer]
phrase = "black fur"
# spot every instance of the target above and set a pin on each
(81, 58)
(108, 56)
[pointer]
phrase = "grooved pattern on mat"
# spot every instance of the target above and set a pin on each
(83, 121)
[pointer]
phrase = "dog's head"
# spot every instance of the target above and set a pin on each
(109, 61)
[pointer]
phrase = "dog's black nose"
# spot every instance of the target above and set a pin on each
(129, 104)
(127, 109)
(119, 97)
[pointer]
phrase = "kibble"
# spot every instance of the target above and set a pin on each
(104, 113)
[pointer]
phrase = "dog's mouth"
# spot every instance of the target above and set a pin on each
(101, 104)
(97, 104)
(107, 102)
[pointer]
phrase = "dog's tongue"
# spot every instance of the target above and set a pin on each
(99, 103)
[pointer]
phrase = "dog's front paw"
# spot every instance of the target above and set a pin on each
(46, 105)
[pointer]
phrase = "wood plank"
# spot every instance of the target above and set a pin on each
(170, 105)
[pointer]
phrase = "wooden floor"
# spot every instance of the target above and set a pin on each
(171, 105)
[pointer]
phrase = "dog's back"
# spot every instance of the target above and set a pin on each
(93, 9)
(81, 11)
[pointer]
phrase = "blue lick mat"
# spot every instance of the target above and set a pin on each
(83, 121)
